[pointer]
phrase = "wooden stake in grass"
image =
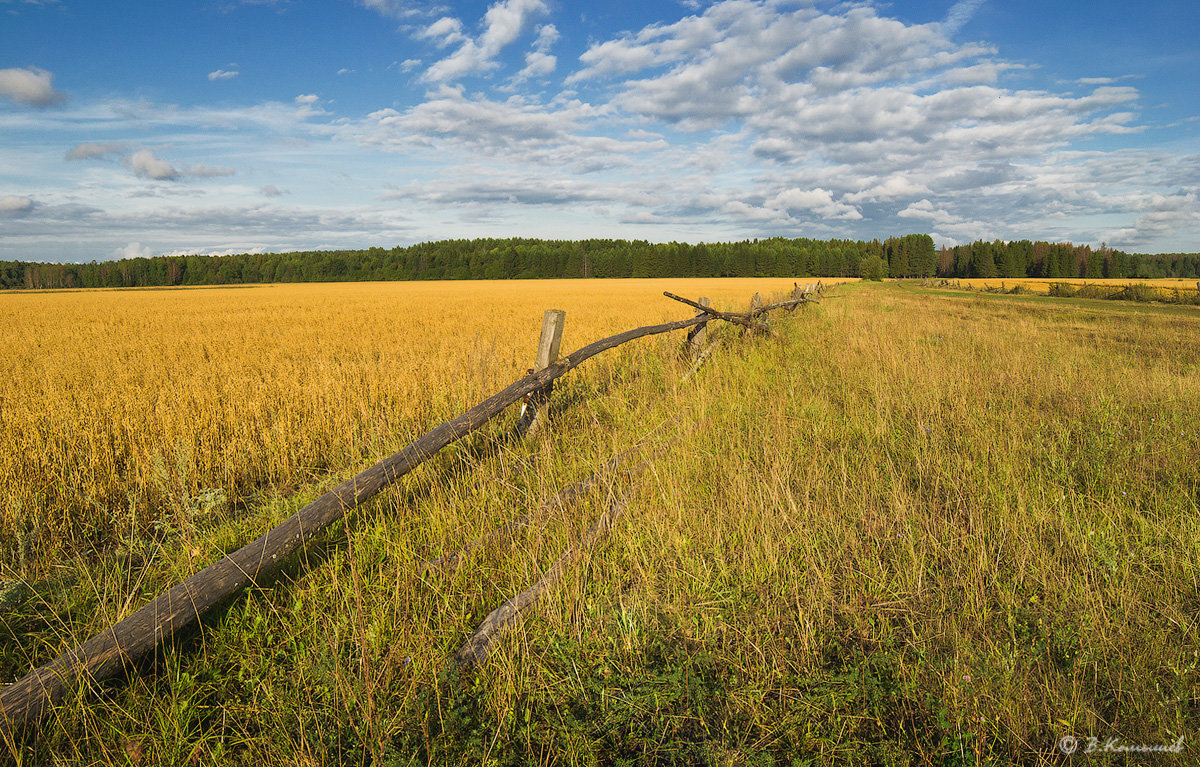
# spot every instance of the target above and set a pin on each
(533, 411)
(697, 335)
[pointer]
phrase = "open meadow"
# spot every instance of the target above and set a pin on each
(919, 527)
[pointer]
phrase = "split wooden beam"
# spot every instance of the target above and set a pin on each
(789, 304)
(563, 499)
(504, 617)
(116, 649)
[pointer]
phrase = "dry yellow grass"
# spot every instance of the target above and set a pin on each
(1043, 286)
(125, 409)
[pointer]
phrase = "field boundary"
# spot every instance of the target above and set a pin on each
(1137, 291)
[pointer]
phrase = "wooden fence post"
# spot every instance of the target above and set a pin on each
(532, 416)
(697, 335)
(551, 340)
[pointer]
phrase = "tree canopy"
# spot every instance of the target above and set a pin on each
(912, 255)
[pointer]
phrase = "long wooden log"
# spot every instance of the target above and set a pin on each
(789, 304)
(563, 499)
(115, 649)
(476, 648)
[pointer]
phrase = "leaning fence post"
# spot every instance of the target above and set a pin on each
(697, 335)
(547, 353)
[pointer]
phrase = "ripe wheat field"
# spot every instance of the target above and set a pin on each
(1043, 286)
(122, 411)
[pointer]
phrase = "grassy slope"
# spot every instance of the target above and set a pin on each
(924, 529)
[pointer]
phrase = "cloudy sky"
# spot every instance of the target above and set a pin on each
(141, 128)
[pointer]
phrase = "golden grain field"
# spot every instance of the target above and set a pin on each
(1043, 286)
(125, 409)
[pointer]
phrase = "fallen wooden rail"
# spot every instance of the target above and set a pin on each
(563, 499)
(476, 648)
(745, 320)
(115, 649)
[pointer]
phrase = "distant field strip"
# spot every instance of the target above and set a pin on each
(1043, 286)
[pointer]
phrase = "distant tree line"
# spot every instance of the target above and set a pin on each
(912, 255)
(1023, 258)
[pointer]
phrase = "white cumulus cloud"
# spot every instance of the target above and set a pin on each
(817, 201)
(93, 150)
(502, 24)
(445, 31)
(145, 164)
(539, 62)
(132, 250)
(12, 205)
(32, 86)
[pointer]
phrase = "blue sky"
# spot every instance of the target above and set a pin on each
(142, 128)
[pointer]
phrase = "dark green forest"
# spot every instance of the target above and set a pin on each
(912, 255)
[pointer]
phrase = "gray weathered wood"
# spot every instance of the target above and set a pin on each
(797, 295)
(561, 500)
(698, 334)
(476, 648)
(117, 648)
(737, 319)
(533, 416)
(551, 339)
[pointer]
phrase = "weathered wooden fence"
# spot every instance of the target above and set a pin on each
(115, 650)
